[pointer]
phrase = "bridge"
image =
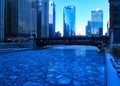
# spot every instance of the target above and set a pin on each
(98, 41)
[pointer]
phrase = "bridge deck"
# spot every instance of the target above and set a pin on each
(74, 40)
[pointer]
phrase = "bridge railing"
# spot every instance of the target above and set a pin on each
(73, 40)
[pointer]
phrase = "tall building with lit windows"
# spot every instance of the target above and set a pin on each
(69, 20)
(115, 21)
(42, 18)
(2, 20)
(52, 16)
(96, 23)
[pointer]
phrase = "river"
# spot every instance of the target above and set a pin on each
(55, 66)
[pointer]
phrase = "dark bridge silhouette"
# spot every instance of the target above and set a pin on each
(99, 41)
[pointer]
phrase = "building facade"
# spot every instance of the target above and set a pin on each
(88, 29)
(34, 23)
(21, 21)
(42, 18)
(96, 23)
(34, 18)
(108, 29)
(2, 20)
(69, 20)
(52, 16)
(7, 19)
(115, 21)
(58, 34)
(18, 18)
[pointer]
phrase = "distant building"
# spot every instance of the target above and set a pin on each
(2, 20)
(52, 16)
(58, 34)
(115, 20)
(88, 29)
(96, 23)
(78, 33)
(69, 20)
(108, 28)
(42, 18)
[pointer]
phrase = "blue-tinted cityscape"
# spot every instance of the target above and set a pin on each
(34, 52)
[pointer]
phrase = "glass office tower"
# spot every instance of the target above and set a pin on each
(69, 21)
(42, 18)
(88, 29)
(97, 23)
(2, 20)
(21, 21)
(52, 16)
(18, 18)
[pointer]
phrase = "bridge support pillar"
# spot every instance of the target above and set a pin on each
(101, 48)
(31, 42)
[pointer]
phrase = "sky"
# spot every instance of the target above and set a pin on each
(83, 13)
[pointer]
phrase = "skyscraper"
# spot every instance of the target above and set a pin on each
(115, 21)
(42, 18)
(88, 29)
(2, 20)
(18, 18)
(97, 23)
(52, 16)
(69, 20)
(21, 18)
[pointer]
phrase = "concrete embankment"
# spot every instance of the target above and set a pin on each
(13, 50)
(112, 71)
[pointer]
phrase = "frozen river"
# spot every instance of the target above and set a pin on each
(57, 66)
